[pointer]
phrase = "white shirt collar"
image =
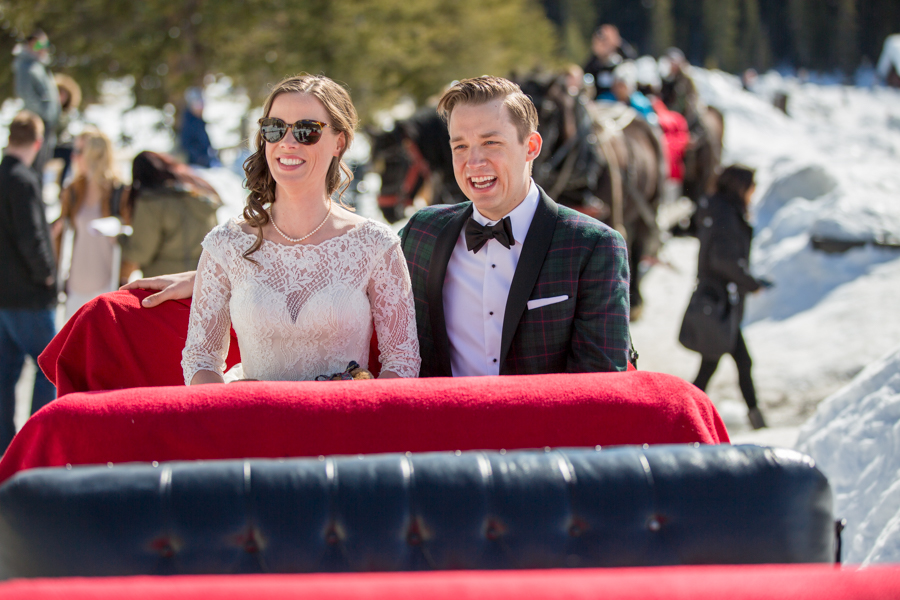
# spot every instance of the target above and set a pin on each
(520, 216)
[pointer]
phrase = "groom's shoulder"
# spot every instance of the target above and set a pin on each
(571, 223)
(430, 220)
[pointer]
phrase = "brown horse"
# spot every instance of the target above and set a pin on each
(704, 154)
(604, 160)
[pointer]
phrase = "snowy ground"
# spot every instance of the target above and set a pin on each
(831, 169)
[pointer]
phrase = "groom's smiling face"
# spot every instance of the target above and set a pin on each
(491, 163)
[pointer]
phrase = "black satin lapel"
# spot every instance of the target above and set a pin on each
(434, 287)
(537, 244)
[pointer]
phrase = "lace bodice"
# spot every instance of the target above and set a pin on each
(304, 310)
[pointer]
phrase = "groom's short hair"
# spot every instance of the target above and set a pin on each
(484, 89)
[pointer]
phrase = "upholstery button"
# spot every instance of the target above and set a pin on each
(577, 527)
(164, 547)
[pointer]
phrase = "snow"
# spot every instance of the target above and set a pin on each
(829, 329)
(855, 439)
(830, 170)
(890, 56)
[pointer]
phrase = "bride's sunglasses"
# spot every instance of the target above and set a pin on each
(306, 132)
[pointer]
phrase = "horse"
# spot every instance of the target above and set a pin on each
(414, 159)
(602, 159)
(703, 155)
(612, 169)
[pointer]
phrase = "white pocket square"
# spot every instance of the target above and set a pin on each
(532, 304)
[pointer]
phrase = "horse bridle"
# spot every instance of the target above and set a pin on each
(417, 173)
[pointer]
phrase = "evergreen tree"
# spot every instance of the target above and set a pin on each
(661, 26)
(752, 45)
(720, 22)
(846, 49)
(381, 49)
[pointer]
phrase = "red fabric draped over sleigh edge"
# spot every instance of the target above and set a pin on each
(112, 343)
(743, 582)
(284, 419)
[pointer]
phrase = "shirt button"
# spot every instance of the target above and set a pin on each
(491, 313)
(495, 360)
(493, 266)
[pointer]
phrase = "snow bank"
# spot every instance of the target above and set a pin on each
(855, 439)
(890, 55)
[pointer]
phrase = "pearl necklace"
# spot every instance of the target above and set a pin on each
(297, 240)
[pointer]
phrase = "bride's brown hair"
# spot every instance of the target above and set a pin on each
(260, 183)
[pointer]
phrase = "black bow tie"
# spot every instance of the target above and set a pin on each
(477, 235)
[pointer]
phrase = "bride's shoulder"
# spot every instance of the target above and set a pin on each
(380, 233)
(227, 233)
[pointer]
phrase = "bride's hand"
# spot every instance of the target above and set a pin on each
(171, 287)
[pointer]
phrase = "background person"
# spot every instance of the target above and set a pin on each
(172, 211)
(194, 138)
(608, 50)
(27, 268)
(69, 101)
(96, 192)
(301, 280)
(36, 87)
(724, 259)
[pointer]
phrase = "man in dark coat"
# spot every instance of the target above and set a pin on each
(27, 269)
(511, 282)
(608, 51)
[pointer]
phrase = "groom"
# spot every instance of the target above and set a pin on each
(511, 282)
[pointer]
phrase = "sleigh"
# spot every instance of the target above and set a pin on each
(619, 485)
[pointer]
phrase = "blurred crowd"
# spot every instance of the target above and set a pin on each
(108, 227)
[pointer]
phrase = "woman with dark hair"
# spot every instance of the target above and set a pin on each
(173, 210)
(302, 280)
(724, 268)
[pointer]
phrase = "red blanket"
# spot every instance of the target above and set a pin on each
(279, 419)
(758, 582)
(113, 343)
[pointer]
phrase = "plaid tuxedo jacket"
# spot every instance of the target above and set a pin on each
(564, 253)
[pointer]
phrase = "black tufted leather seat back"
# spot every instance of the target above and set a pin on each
(625, 506)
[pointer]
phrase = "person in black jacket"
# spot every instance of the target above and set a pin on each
(725, 237)
(608, 50)
(27, 270)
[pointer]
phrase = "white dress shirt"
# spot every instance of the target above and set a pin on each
(476, 288)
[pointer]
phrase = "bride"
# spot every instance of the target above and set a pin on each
(301, 279)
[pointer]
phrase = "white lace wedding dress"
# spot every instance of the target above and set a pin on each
(304, 310)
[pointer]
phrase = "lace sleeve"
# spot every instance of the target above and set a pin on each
(394, 313)
(209, 327)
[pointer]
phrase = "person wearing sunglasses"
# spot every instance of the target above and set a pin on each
(302, 279)
(34, 84)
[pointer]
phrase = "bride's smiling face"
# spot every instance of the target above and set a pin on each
(293, 164)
